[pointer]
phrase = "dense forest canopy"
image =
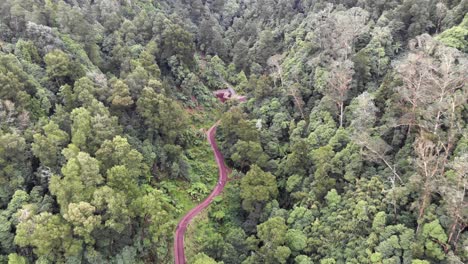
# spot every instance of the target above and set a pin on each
(352, 146)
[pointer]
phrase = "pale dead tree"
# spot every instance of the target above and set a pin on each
(430, 164)
(274, 63)
(453, 190)
(350, 24)
(295, 92)
(414, 91)
(7, 111)
(441, 13)
(375, 149)
(338, 31)
(433, 85)
(323, 25)
(23, 120)
(291, 90)
(339, 80)
(433, 94)
(448, 83)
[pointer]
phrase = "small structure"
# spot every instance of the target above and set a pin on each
(223, 94)
(229, 93)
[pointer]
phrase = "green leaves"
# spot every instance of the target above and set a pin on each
(273, 235)
(248, 153)
(49, 235)
(81, 127)
(47, 146)
(119, 152)
(257, 187)
(14, 169)
(296, 240)
(435, 239)
(82, 216)
(60, 68)
(162, 114)
(81, 177)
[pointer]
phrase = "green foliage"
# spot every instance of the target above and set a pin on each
(434, 237)
(60, 68)
(296, 240)
(202, 258)
(80, 179)
(13, 173)
(273, 235)
(162, 114)
(16, 259)
(48, 234)
(349, 148)
(257, 187)
(47, 145)
(456, 37)
(81, 127)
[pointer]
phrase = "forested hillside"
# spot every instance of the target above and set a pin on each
(352, 146)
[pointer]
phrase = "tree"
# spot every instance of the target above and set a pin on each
(322, 180)
(119, 152)
(114, 205)
(431, 82)
(60, 68)
(154, 210)
(179, 42)
(120, 97)
(148, 61)
(81, 178)
(240, 55)
(47, 146)
(453, 190)
(302, 259)
(349, 25)
(202, 258)
(15, 170)
(257, 188)
(83, 219)
(81, 127)
(434, 239)
(339, 80)
(136, 80)
(162, 114)
(49, 235)
(373, 147)
(264, 47)
(16, 259)
(122, 179)
(338, 31)
(395, 242)
(248, 153)
(430, 167)
(272, 234)
(455, 37)
(296, 240)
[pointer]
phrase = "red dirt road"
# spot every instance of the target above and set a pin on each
(179, 254)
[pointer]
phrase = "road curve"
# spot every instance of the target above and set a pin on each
(179, 254)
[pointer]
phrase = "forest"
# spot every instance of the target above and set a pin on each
(351, 147)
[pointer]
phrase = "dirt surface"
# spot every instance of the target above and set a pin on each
(179, 253)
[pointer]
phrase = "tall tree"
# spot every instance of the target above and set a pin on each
(339, 84)
(257, 188)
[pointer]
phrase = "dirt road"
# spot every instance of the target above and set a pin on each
(179, 254)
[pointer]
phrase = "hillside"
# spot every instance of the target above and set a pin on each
(349, 143)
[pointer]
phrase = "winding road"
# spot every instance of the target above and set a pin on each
(179, 254)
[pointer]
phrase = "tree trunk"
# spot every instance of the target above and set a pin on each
(341, 113)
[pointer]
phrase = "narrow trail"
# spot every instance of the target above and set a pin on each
(179, 253)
